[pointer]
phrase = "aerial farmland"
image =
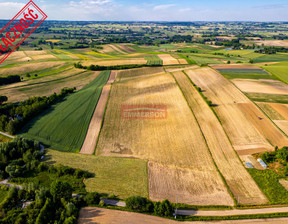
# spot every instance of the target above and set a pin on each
(192, 117)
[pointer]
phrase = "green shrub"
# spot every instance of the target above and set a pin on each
(139, 204)
(163, 208)
(92, 198)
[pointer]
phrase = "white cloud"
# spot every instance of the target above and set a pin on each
(163, 7)
(10, 9)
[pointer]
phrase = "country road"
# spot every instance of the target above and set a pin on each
(7, 135)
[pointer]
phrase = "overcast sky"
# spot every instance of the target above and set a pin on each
(161, 10)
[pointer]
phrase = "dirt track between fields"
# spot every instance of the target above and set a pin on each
(90, 141)
(92, 215)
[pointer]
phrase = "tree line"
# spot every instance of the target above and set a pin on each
(113, 67)
(13, 116)
(9, 79)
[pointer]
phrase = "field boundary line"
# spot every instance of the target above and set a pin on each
(103, 118)
(252, 101)
(222, 177)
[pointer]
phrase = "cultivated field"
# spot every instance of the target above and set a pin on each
(47, 85)
(278, 113)
(228, 100)
(18, 69)
(276, 43)
(179, 164)
(239, 181)
(261, 86)
(91, 138)
(122, 177)
(134, 61)
(64, 126)
(280, 70)
(168, 59)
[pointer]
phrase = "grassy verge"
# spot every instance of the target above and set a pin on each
(122, 177)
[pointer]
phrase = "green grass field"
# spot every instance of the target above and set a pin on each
(203, 60)
(64, 125)
(271, 58)
(123, 177)
(246, 74)
(153, 60)
(280, 70)
(269, 98)
(268, 182)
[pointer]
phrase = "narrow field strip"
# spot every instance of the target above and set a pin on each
(117, 49)
(90, 141)
(241, 184)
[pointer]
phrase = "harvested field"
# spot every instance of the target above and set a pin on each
(107, 49)
(126, 48)
(270, 111)
(135, 61)
(276, 43)
(261, 86)
(278, 113)
(171, 177)
(43, 57)
(186, 153)
(29, 67)
(238, 179)
(137, 72)
(283, 125)
(182, 61)
(264, 125)
(48, 85)
(118, 49)
(281, 109)
(33, 53)
(168, 59)
(90, 141)
(234, 66)
(226, 97)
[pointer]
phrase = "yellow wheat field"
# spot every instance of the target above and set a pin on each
(180, 163)
(246, 125)
(238, 179)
